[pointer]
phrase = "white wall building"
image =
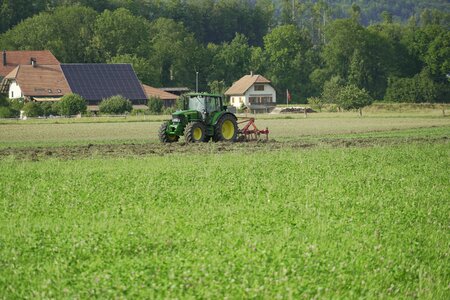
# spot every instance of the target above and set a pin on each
(14, 91)
(254, 92)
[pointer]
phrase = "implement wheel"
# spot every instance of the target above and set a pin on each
(195, 132)
(226, 129)
(164, 137)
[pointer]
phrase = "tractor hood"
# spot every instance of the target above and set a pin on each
(188, 114)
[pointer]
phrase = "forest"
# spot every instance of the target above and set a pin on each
(394, 51)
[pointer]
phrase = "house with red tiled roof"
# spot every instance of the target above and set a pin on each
(9, 60)
(254, 92)
(168, 99)
(36, 82)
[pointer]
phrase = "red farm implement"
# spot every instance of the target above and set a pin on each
(250, 132)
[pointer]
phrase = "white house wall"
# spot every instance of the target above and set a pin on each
(269, 91)
(14, 91)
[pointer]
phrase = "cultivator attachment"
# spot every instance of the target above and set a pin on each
(250, 132)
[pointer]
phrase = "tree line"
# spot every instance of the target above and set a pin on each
(305, 50)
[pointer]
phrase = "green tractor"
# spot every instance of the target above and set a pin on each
(204, 117)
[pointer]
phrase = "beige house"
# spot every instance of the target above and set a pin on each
(254, 92)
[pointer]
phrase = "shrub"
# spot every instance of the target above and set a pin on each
(115, 105)
(155, 105)
(71, 104)
(49, 108)
(6, 112)
(3, 101)
(169, 110)
(32, 109)
(16, 104)
(316, 102)
(418, 89)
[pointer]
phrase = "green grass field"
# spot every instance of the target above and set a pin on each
(367, 218)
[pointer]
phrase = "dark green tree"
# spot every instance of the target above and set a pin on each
(66, 32)
(290, 60)
(230, 60)
(119, 32)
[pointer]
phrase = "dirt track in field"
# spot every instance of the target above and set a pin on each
(156, 149)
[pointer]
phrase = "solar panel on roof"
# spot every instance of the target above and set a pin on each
(100, 81)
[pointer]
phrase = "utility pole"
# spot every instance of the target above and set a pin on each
(293, 11)
(196, 81)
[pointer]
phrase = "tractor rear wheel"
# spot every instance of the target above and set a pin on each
(195, 132)
(164, 137)
(226, 129)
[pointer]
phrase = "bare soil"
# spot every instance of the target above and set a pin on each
(152, 149)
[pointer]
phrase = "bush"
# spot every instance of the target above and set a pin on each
(71, 104)
(418, 89)
(32, 109)
(49, 108)
(115, 105)
(316, 103)
(16, 104)
(3, 101)
(169, 110)
(6, 112)
(155, 105)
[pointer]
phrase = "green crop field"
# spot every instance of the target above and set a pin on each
(330, 207)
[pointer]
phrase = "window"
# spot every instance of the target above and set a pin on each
(12, 94)
(259, 87)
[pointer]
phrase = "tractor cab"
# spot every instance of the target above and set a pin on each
(203, 102)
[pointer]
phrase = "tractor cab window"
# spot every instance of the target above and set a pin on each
(212, 104)
(197, 103)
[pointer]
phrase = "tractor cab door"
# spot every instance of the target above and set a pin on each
(213, 104)
(197, 103)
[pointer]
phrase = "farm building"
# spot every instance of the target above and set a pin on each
(176, 90)
(169, 99)
(95, 82)
(253, 91)
(36, 82)
(9, 60)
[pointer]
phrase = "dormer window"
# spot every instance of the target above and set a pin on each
(49, 91)
(259, 87)
(59, 91)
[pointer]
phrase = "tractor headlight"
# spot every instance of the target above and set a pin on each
(176, 120)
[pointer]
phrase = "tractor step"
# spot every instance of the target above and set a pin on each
(250, 132)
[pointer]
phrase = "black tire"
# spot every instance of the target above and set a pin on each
(226, 129)
(195, 132)
(164, 137)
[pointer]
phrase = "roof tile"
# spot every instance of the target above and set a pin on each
(242, 85)
(15, 58)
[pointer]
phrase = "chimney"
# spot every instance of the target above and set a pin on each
(251, 73)
(4, 57)
(33, 61)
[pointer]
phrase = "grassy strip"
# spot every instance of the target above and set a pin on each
(326, 223)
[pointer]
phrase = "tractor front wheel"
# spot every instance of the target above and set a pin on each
(164, 137)
(195, 132)
(226, 129)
